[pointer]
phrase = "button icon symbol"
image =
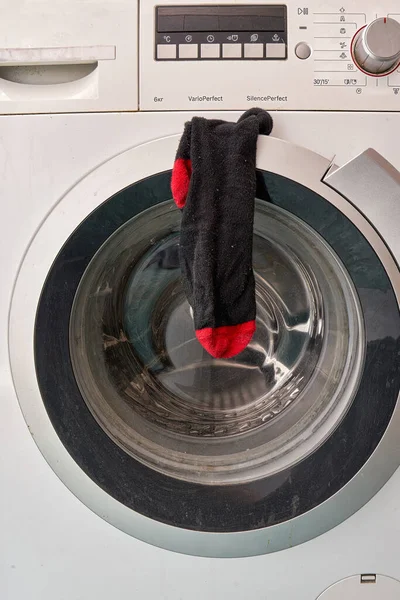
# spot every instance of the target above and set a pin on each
(302, 11)
(254, 37)
(233, 38)
(396, 91)
(342, 9)
(167, 38)
(343, 55)
(210, 38)
(342, 45)
(342, 18)
(275, 37)
(342, 30)
(189, 38)
(358, 90)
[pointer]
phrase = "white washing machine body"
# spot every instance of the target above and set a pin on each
(71, 146)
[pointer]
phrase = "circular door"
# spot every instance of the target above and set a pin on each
(210, 457)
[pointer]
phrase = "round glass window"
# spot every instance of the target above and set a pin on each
(165, 401)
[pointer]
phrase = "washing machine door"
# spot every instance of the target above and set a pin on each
(216, 457)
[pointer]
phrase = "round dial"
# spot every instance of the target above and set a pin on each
(376, 47)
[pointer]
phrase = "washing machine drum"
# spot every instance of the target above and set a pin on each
(213, 445)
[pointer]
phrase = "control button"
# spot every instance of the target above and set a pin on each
(166, 51)
(232, 50)
(377, 47)
(303, 51)
(210, 50)
(188, 51)
(276, 50)
(253, 50)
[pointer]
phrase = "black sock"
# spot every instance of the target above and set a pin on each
(214, 183)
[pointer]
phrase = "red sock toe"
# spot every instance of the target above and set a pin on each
(180, 181)
(227, 341)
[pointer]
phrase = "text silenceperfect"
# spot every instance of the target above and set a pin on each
(267, 99)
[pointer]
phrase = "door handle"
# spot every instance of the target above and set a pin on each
(372, 185)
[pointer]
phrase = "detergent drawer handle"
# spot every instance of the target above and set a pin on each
(60, 55)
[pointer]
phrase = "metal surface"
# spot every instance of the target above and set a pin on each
(373, 185)
(278, 157)
(377, 46)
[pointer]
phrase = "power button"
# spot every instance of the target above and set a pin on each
(302, 50)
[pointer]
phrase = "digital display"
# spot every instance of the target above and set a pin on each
(221, 18)
(224, 32)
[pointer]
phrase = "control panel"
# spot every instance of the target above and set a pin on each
(249, 32)
(310, 55)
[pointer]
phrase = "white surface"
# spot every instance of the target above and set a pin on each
(356, 588)
(41, 31)
(329, 80)
(69, 54)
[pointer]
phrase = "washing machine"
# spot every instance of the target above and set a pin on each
(133, 464)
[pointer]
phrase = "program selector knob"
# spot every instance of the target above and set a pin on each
(376, 47)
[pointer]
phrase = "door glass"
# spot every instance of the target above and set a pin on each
(158, 394)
